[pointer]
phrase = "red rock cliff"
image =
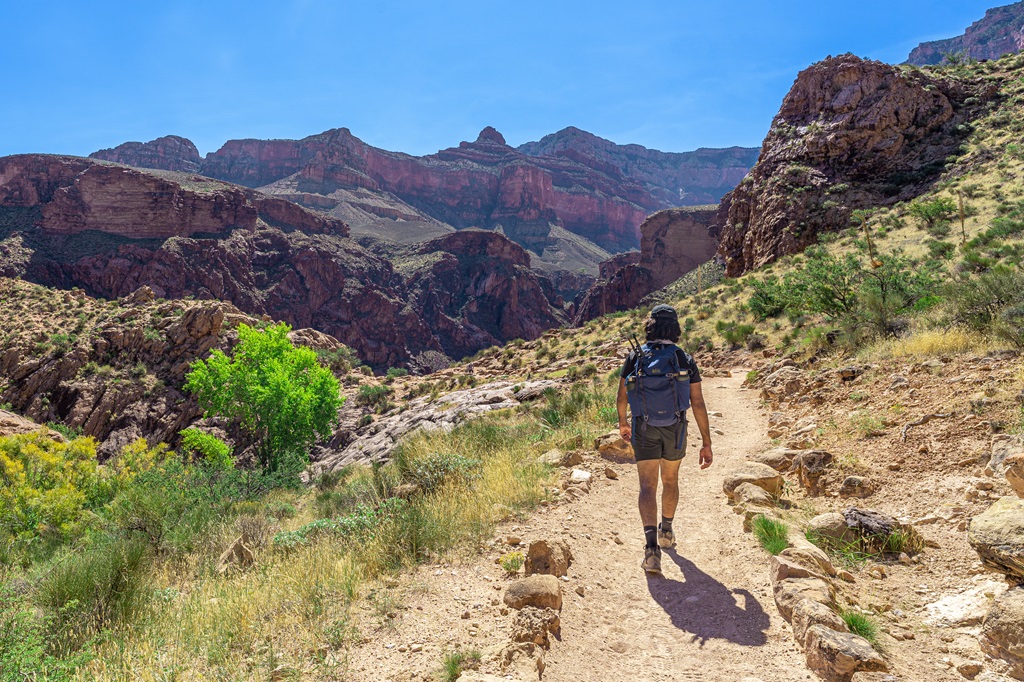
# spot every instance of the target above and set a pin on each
(851, 134)
(999, 32)
(170, 152)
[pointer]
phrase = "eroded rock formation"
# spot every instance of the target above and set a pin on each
(110, 229)
(851, 134)
(170, 152)
(673, 243)
(999, 32)
(573, 180)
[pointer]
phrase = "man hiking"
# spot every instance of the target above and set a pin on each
(659, 382)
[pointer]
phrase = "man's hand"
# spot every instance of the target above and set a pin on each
(626, 431)
(706, 457)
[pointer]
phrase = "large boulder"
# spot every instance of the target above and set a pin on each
(836, 656)
(538, 591)
(780, 459)
(806, 554)
(830, 527)
(997, 535)
(810, 467)
(782, 383)
(761, 475)
(1002, 633)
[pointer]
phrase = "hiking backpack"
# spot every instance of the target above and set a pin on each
(658, 388)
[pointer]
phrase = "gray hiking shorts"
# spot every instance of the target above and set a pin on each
(658, 442)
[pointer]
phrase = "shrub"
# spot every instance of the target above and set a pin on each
(212, 449)
(92, 590)
(934, 211)
(456, 662)
(773, 535)
(511, 562)
(992, 303)
(396, 372)
(281, 394)
(438, 468)
(375, 397)
(768, 300)
(46, 489)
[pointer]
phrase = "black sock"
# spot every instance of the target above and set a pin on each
(651, 535)
(666, 525)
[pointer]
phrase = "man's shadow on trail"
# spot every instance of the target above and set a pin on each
(706, 608)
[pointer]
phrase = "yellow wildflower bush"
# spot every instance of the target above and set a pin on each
(47, 489)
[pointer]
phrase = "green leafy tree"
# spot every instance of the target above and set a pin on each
(933, 212)
(283, 398)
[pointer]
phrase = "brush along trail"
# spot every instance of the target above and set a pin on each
(710, 617)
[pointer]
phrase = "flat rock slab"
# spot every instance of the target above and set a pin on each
(428, 414)
(966, 608)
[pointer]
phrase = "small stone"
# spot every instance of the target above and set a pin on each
(970, 669)
(617, 540)
(416, 648)
(513, 540)
(610, 473)
(580, 590)
(465, 615)
(580, 476)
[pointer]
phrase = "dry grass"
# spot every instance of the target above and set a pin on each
(931, 343)
(297, 610)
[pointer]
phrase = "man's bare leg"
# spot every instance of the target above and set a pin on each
(669, 487)
(648, 470)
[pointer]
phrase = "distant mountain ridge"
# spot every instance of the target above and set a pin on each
(999, 32)
(571, 198)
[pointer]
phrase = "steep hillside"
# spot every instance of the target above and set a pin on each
(113, 369)
(110, 229)
(999, 32)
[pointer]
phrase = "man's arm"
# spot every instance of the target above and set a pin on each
(700, 414)
(621, 404)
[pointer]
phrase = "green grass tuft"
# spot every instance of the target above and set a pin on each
(862, 625)
(456, 662)
(773, 535)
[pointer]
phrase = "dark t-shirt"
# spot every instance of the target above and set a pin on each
(686, 363)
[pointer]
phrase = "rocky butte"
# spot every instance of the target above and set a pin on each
(850, 134)
(673, 242)
(999, 32)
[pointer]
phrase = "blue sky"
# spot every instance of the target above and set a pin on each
(420, 76)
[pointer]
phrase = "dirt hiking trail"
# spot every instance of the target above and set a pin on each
(710, 617)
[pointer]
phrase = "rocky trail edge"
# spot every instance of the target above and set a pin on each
(711, 616)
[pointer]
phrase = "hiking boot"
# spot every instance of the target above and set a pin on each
(652, 561)
(666, 538)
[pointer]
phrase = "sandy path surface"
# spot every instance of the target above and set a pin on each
(710, 617)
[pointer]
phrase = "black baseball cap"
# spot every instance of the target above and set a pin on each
(664, 311)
